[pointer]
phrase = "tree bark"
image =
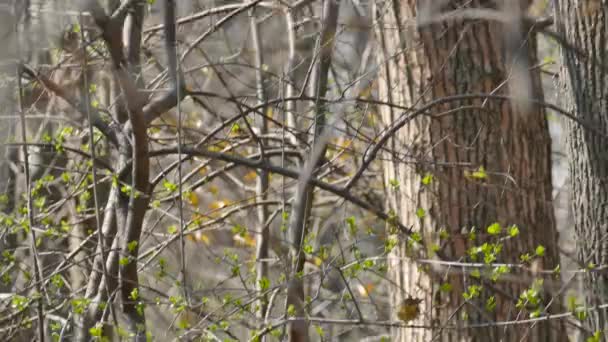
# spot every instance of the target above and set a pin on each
(489, 161)
(584, 25)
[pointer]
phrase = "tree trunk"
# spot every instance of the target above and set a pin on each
(462, 166)
(584, 25)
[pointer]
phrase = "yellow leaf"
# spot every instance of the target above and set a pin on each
(365, 93)
(213, 190)
(409, 309)
(317, 261)
(193, 198)
(250, 176)
(202, 237)
(365, 290)
(218, 205)
(244, 240)
(205, 239)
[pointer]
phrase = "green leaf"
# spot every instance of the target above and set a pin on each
(131, 246)
(420, 213)
(540, 250)
(169, 186)
(19, 302)
(491, 303)
(480, 173)
(134, 294)
(572, 303)
(291, 310)
(498, 271)
(264, 283)
(57, 281)
(473, 291)
(494, 229)
(445, 287)
(352, 225)
(416, 237)
(319, 330)
(96, 331)
(597, 337)
(394, 184)
(427, 179)
(235, 128)
(557, 270)
(513, 231)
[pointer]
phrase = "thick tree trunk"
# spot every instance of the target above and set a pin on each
(584, 24)
(452, 142)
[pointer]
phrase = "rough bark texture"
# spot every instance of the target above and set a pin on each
(585, 76)
(451, 142)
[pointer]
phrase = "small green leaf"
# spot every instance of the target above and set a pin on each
(131, 246)
(597, 337)
(535, 313)
(352, 225)
(319, 330)
(540, 250)
(394, 184)
(420, 213)
(445, 287)
(557, 270)
(513, 231)
(491, 303)
(291, 310)
(264, 283)
(473, 291)
(480, 173)
(427, 179)
(96, 331)
(416, 237)
(235, 128)
(170, 186)
(134, 294)
(494, 228)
